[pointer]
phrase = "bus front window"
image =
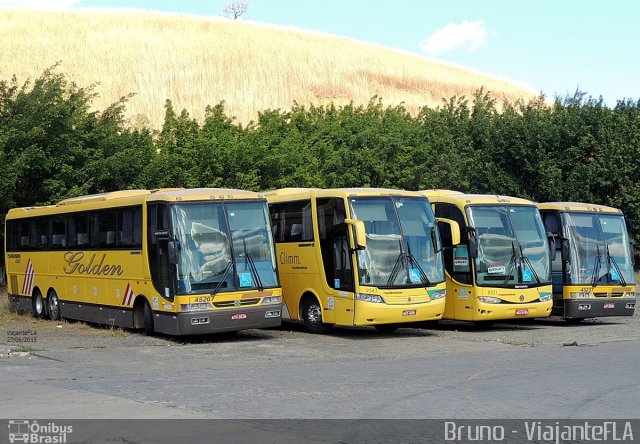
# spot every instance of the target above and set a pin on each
(252, 244)
(214, 256)
(599, 249)
(400, 243)
(205, 259)
(512, 246)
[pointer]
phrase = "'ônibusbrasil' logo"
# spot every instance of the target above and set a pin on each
(76, 263)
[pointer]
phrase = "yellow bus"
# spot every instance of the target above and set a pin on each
(593, 268)
(496, 255)
(173, 261)
(357, 257)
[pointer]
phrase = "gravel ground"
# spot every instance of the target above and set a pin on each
(40, 335)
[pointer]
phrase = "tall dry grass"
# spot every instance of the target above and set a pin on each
(196, 61)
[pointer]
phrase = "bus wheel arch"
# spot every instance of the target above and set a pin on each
(143, 315)
(38, 307)
(53, 305)
(311, 314)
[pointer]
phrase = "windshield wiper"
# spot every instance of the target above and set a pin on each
(413, 261)
(528, 263)
(612, 260)
(396, 267)
(252, 266)
(512, 264)
(596, 268)
(224, 278)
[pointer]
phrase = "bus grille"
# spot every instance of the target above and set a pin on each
(238, 303)
(403, 299)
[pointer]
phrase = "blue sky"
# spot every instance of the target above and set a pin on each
(553, 46)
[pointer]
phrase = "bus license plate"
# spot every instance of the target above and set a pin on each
(409, 313)
(609, 305)
(522, 311)
(238, 316)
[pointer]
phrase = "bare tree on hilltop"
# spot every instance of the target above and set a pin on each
(236, 8)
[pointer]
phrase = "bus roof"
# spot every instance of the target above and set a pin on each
(284, 194)
(461, 199)
(131, 197)
(578, 207)
(190, 194)
(439, 192)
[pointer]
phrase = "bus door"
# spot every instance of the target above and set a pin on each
(336, 259)
(160, 265)
(342, 272)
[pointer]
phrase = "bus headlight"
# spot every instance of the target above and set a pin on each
(489, 300)
(270, 300)
(195, 307)
(366, 297)
(544, 297)
(437, 294)
(631, 294)
(581, 294)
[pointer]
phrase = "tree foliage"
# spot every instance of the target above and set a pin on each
(52, 146)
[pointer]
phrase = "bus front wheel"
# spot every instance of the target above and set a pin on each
(312, 316)
(53, 304)
(148, 320)
(37, 305)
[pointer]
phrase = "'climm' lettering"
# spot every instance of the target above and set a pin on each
(75, 265)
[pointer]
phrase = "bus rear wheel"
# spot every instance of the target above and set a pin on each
(312, 317)
(37, 305)
(53, 305)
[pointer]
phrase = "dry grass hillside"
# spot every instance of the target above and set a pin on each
(198, 61)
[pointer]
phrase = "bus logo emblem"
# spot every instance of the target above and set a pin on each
(236, 303)
(521, 297)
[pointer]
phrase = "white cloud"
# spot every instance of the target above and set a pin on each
(37, 4)
(470, 34)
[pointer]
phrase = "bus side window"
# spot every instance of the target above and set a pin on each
(291, 221)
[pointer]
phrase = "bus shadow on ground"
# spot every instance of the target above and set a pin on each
(360, 332)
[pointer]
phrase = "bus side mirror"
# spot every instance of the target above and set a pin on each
(552, 245)
(360, 233)
(473, 243)
(449, 231)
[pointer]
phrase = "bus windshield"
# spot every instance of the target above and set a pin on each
(402, 241)
(512, 246)
(223, 247)
(599, 247)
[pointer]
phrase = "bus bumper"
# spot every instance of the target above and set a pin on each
(367, 313)
(205, 322)
(495, 312)
(598, 308)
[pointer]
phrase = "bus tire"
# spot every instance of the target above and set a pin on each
(148, 319)
(312, 316)
(53, 306)
(386, 328)
(37, 305)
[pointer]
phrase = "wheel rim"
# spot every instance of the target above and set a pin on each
(313, 314)
(39, 306)
(53, 306)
